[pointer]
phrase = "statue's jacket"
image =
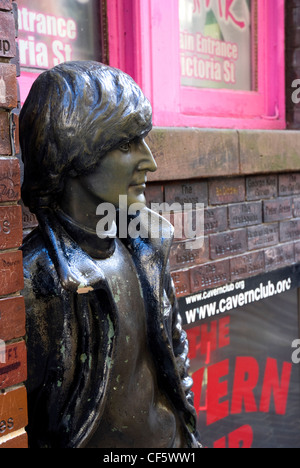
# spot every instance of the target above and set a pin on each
(67, 393)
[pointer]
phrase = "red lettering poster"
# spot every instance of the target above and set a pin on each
(245, 362)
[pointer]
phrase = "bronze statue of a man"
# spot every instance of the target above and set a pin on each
(107, 357)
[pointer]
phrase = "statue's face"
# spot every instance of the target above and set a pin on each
(122, 171)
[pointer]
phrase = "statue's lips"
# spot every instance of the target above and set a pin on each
(141, 184)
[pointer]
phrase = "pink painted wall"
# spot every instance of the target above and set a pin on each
(152, 58)
(144, 42)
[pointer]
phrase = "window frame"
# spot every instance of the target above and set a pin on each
(150, 29)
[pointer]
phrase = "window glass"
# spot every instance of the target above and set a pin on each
(52, 32)
(216, 43)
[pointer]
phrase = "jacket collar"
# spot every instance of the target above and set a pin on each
(78, 272)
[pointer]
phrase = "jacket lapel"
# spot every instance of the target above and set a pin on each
(151, 257)
(151, 254)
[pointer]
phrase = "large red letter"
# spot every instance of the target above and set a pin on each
(193, 338)
(273, 385)
(245, 380)
(229, 14)
(241, 438)
(209, 336)
(197, 6)
(215, 391)
(220, 444)
(197, 387)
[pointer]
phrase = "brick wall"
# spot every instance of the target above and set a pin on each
(13, 404)
(292, 60)
(251, 226)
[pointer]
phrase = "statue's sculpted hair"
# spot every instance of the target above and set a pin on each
(74, 114)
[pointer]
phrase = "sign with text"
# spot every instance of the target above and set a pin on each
(52, 32)
(13, 411)
(244, 351)
(10, 187)
(13, 368)
(7, 35)
(215, 43)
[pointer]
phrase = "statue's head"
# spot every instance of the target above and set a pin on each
(75, 115)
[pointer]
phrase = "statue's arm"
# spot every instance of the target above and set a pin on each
(38, 342)
(43, 325)
(180, 341)
(181, 351)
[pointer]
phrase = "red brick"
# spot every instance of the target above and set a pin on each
(7, 35)
(186, 192)
(215, 220)
(182, 256)
(296, 205)
(277, 210)
(223, 191)
(12, 318)
(289, 184)
(14, 370)
(297, 252)
(13, 411)
(193, 223)
(11, 231)
(5, 4)
(10, 186)
(16, 135)
(278, 257)
(210, 276)
(18, 442)
(261, 187)
(247, 265)
(182, 283)
(11, 273)
(5, 142)
(187, 224)
(245, 214)
(8, 86)
(290, 230)
(228, 244)
(154, 194)
(265, 235)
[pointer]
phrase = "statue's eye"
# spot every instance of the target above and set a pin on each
(125, 147)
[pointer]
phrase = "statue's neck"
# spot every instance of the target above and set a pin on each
(77, 214)
(87, 239)
(79, 204)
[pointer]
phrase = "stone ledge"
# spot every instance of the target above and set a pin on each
(269, 151)
(199, 153)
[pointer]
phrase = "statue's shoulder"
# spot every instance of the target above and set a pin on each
(34, 238)
(39, 272)
(33, 248)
